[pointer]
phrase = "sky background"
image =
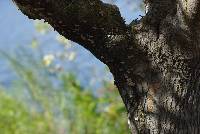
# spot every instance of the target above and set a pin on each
(19, 31)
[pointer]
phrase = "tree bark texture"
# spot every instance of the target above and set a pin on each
(155, 61)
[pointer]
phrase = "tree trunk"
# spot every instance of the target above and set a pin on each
(155, 61)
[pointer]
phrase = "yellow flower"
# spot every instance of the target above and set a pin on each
(48, 59)
(72, 56)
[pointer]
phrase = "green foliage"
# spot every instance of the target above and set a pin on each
(42, 102)
(17, 119)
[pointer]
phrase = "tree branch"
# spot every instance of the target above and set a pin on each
(90, 23)
(100, 28)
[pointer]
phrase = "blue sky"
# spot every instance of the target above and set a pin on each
(18, 31)
(130, 9)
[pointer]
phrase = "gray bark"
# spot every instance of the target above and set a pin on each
(155, 61)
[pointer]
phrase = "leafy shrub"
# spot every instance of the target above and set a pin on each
(41, 102)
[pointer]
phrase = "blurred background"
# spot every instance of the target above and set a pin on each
(50, 85)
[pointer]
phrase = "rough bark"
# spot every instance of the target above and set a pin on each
(155, 61)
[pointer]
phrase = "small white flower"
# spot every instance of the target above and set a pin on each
(48, 59)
